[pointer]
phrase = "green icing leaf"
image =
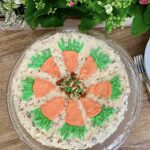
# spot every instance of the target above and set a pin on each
(27, 91)
(71, 45)
(38, 60)
(101, 59)
(40, 120)
(69, 131)
(116, 87)
(104, 115)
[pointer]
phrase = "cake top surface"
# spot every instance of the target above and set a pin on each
(70, 84)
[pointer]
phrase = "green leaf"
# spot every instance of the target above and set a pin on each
(138, 25)
(51, 20)
(131, 10)
(27, 90)
(35, 17)
(120, 12)
(31, 14)
(38, 59)
(147, 15)
(103, 116)
(40, 120)
(93, 7)
(30, 8)
(69, 131)
(135, 1)
(76, 11)
(56, 3)
(34, 23)
(87, 22)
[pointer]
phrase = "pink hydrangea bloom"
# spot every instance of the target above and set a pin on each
(143, 2)
(71, 4)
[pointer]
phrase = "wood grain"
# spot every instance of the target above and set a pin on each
(12, 44)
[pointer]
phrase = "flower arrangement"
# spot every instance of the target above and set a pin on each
(50, 13)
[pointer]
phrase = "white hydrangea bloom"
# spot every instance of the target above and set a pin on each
(108, 8)
(18, 1)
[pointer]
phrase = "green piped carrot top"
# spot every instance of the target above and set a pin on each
(116, 88)
(38, 59)
(71, 45)
(40, 120)
(101, 59)
(69, 131)
(102, 116)
(27, 90)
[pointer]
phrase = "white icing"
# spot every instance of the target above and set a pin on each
(51, 137)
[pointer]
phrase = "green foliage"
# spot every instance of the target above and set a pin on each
(116, 88)
(8, 8)
(95, 14)
(101, 59)
(112, 22)
(41, 13)
(8, 5)
(50, 13)
(71, 44)
(38, 59)
(94, 6)
(141, 21)
(40, 120)
(87, 22)
(27, 91)
(147, 16)
(117, 17)
(69, 131)
(103, 116)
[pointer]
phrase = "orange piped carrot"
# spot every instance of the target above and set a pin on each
(101, 89)
(70, 60)
(53, 107)
(107, 92)
(51, 68)
(73, 114)
(88, 68)
(42, 87)
(92, 108)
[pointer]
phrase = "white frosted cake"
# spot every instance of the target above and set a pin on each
(70, 91)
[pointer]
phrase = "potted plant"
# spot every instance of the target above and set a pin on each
(50, 13)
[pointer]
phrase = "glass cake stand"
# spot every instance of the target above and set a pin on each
(133, 107)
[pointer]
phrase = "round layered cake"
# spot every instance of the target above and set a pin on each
(70, 91)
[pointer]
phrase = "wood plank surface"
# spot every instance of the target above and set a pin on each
(12, 44)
